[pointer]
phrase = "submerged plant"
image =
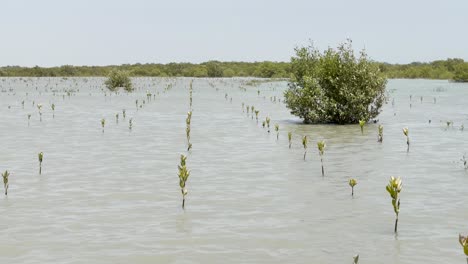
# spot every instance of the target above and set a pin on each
(5, 176)
(321, 147)
(361, 124)
(40, 157)
(277, 131)
(183, 176)
(352, 183)
(267, 120)
(394, 188)
(290, 138)
(406, 133)
(356, 259)
(464, 243)
(304, 144)
(103, 123)
(380, 138)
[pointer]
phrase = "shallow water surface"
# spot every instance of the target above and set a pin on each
(113, 196)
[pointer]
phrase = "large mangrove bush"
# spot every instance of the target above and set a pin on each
(117, 79)
(334, 86)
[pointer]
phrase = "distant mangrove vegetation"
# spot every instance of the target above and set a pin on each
(450, 69)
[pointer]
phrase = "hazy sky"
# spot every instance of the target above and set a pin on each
(102, 32)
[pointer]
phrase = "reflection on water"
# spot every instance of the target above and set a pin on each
(114, 197)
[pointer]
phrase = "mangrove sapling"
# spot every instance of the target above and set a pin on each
(189, 146)
(304, 144)
(465, 162)
(406, 133)
(267, 120)
(39, 107)
(130, 124)
(183, 176)
(256, 115)
(361, 124)
(464, 243)
(117, 118)
(5, 176)
(321, 148)
(187, 132)
(53, 110)
(277, 131)
(380, 137)
(40, 157)
(356, 259)
(394, 188)
(103, 123)
(290, 138)
(247, 110)
(352, 183)
(263, 124)
(123, 113)
(29, 118)
(252, 110)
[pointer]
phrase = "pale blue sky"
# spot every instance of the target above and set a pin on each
(102, 32)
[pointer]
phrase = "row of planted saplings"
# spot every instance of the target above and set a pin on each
(124, 114)
(6, 174)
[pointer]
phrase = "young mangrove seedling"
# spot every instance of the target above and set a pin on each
(465, 162)
(252, 110)
(263, 124)
(53, 110)
(268, 123)
(40, 157)
(321, 148)
(103, 123)
(242, 107)
(380, 138)
(117, 118)
(464, 243)
(406, 133)
(5, 181)
(394, 189)
(304, 144)
(189, 146)
(290, 138)
(187, 132)
(277, 131)
(247, 110)
(356, 259)
(352, 183)
(39, 107)
(361, 124)
(256, 115)
(29, 118)
(123, 113)
(130, 124)
(183, 176)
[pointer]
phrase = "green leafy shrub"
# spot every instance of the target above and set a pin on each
(117, 79)
(334, 86)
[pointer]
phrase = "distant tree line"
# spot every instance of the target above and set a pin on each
(452, 69)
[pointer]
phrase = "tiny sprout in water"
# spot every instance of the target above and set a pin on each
(40, 157)
(277, 131)
(290, 138)
(356, 259)
(5, 181)
(321, 147)
(361, 124)
(304, 144)
(394, 188)
(183, 176)
(380, 138)
(464, 243)
(406, 133)
(103, 123)
(352, 183)
(267, 120)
